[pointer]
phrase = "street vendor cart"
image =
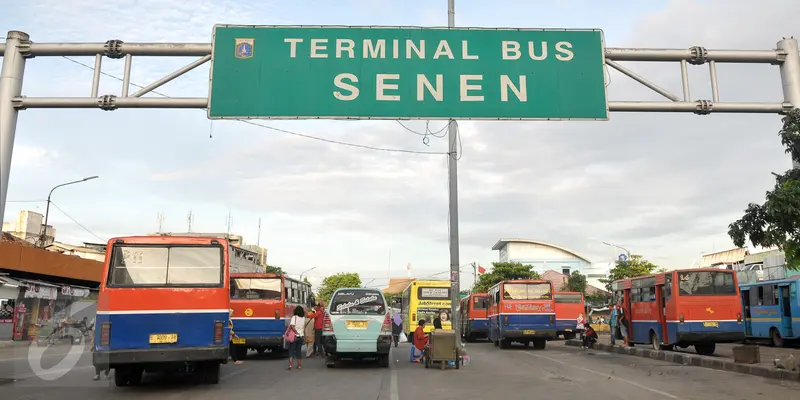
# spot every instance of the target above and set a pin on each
(443, 348)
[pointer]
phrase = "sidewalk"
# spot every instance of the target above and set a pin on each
(721, 360)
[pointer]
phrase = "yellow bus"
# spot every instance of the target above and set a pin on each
(426, 300)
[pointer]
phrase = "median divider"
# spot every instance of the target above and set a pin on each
(718, 363)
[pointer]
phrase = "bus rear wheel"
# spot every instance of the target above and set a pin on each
(505, 343)
(705, 349)
(539, 344)
(777, 339)
(569, 335)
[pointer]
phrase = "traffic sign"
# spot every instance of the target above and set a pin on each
(623, 257)
(298, 72)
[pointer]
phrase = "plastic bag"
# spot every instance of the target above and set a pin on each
(403, 337)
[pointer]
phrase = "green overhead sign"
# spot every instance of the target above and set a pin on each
(283, 72)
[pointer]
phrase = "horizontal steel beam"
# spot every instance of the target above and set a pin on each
(113, 102)
(135, 49)
(696, 107)
(698, 54)
(110, 102)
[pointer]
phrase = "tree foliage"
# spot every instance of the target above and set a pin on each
(337, 281)
(502, 271)
(271, 269)
(635, 266)
(776, 223)
(576, 282)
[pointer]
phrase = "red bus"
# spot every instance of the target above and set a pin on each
(163, 306)
(262, 305)
(569, 306)
(474, 317)
(522, 311)
(691, 307)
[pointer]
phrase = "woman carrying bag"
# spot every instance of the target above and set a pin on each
(294, 337)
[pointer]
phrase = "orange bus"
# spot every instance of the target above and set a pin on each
(690, 307)
(163, 306)
(522, 311)
(262, 305)
(474, 317)
(569, 306)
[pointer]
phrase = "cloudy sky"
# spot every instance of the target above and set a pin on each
(664, 186)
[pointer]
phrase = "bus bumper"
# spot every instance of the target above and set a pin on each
(113, 358)
(261, 341)
(331, 345)
(524, 334)
(709, 337)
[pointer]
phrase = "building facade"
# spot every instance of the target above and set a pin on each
(542, 256)
(28, 227)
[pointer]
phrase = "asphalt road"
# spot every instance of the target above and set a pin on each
(558, 372)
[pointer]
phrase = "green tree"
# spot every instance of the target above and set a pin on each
(504, 271)
(337, 281)
(776, 223)
(393, 298)
(635, 266)
(576, 282)
(271, 269)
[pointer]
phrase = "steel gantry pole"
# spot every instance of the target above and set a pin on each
(790, 76)
(10, 88)
(452, 173)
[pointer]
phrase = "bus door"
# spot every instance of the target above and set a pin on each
(748, 327)
(661, 300)
(786, 310)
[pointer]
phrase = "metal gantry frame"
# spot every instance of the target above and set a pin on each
(18, 48)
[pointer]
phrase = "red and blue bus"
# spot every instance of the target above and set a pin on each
(474, 317)
(163, 306)
(262, 305)
(691, 307)
(569, 306)
(522, 311)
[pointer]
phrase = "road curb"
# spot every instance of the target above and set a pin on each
(721, 364)
(7, 344)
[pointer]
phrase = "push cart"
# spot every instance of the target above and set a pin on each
(443, 348)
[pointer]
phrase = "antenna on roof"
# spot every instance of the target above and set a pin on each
(160, 223)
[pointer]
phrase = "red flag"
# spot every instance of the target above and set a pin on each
(481, 270)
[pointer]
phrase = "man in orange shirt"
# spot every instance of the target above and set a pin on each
(420, 340)
(318, 316)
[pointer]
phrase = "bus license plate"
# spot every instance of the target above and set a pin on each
(162, 338)
(710, 324)
(567, 330)
(528, 332)
(238, 341)
(356, 324)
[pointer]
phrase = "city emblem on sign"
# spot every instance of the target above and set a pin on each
(244, 48)
(248, 312)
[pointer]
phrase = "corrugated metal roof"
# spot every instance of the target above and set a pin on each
(725, 257)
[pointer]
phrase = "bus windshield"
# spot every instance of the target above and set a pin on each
(527, 291)
(165, 265)
(706, 283)
(256, 289)
(357, 302)
(479, 303)
(564, 298)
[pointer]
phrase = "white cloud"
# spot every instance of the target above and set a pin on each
(664, 185)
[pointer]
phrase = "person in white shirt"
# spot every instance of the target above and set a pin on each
(297, 324)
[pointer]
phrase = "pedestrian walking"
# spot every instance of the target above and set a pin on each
(397, 327)
(296, 324)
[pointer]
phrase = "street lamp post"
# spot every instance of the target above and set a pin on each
(304, 272)
(627, 253)
(43, 233)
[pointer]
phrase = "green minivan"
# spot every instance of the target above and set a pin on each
(357, 326)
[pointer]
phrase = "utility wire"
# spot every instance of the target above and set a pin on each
(76, 222)
(303, 135)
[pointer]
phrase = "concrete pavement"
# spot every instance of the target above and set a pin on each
(518, 373)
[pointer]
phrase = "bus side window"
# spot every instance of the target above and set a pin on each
(668, 287)
(233, 289)
(286, 293)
